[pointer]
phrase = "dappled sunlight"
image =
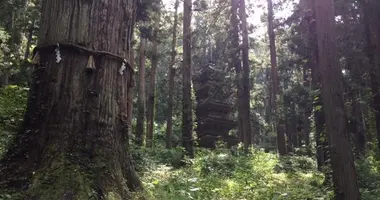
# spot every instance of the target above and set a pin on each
(221, 175)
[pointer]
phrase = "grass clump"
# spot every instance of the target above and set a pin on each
(222, 174)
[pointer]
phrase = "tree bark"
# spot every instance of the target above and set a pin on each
(371, 21)
(319, 118)
(246, 96)
(281, 142)
(307, 110)
(152, 87)
(169, 121)
(236, 63)
(187, 105)
(342, 158)
(74, 141)
(141, 98)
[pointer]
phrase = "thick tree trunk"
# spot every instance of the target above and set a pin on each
(169, 121)
(342, 158)
(74, 143)
(236, 63)
(141, 98)
(281, 142)
(152, 86)
(246, 96)
(187, 105)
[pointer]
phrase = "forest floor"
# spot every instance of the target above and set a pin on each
(222, 175)
(219, 174)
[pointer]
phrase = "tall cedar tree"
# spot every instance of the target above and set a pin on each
(281, 142)
(342, 158)
(319, 119)
(246, 96)
(141, 98)
(152, 86)
(187, 106)
(169, 121)
(236, 63)
(372, 31)
(75, 127)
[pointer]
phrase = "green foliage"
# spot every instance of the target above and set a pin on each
(369, 177)
(224, 174)
(12, 107)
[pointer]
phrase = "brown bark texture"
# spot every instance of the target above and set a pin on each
(169, 120)
(281, 142)
(342, 158)
(246, 96)
(140, 124)
(74, 141)
(371, 15)
(187, 105)
(236, 63)
(152, 86)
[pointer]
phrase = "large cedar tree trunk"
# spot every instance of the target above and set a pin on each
(342, 158)
(141, 98)
(74, 141)
(187, 104)
(281, 142)
(169, 120)
(246, 96)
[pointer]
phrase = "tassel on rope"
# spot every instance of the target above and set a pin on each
(123, 67)
(58, 54)
(90, 64)
(36, 58)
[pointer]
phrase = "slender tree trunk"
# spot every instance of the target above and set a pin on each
(342, 158)
(74, 141)
(141, 98)
(281, 142)
(359, 129)
(246, 96)
(169, 121)
(308, 110)
(29, 43)
(319, 118)
(236, 63)
(187, 105)
(152, 89)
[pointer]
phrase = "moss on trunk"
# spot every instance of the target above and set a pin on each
(74, 141)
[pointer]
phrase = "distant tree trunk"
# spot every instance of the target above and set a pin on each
(246, 96)
(371, 22)
(319, 118)
(130, 95)
(74, 140)
(152, 87)
(308, 110)
(281, 142)
(236, 63)
(169, 121)
(359, 128)
(141, 98)
(342, 158)
(187, 104)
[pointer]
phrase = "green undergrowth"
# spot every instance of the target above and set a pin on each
(12, 107)
(222, 174)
